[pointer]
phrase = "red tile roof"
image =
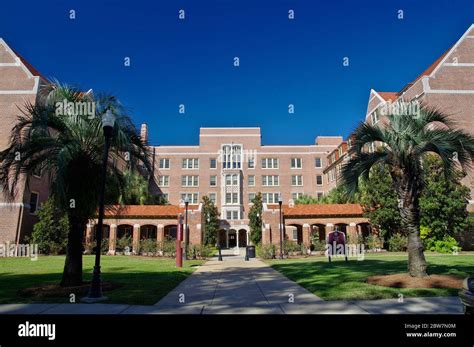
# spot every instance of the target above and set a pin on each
(145, 210)
(30, 67)
(321, 210)
(388, 96)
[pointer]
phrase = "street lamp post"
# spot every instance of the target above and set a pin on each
(95, 291)
(280, 202)
(186, 231)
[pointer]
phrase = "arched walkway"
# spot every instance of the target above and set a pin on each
(242, 238)
(294, 232)
(232, 238)
(363, 229)
(341, 227)
(221, 238)
(124, 230)
(318, 232)
(105, 231)
(148, 232)
(170, 232)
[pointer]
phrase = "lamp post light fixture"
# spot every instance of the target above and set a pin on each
(95, 291)
(186, 231)
(280, 202)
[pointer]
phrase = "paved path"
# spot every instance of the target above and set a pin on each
(235, 286)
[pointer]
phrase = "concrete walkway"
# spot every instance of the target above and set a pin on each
(235, 286)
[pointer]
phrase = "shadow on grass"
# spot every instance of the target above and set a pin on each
(346, 281)
(136, 288)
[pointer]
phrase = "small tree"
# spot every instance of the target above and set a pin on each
(380, 203)
(443, 201)
(307, 200)
(50, 233)
(255, 219)
(210, 216)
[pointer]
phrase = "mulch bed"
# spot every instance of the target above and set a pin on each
(55, 290)
(406, 281)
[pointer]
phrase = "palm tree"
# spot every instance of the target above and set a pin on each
(403, 142)
(70, 147)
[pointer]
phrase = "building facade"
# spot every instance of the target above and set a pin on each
(20, 83)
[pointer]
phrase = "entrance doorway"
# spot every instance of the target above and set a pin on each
(232, 238)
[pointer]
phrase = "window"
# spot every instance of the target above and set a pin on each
(251, 180)
(295, 234)
(231, 198)
(296, 180)
(270, 163)
(190, 163)
(37, 171)
(270, 198)
(251, 163)
(332, 174)
(213, 197)
(34, 197)
(319, 180)
(232, 156)
(296, 196)
(193, 197)
(164, 163)
(189, 181)
(372, 147)
(296, 163)
(349, 143)
(319, 195)
(213, 181)
(232, 214)
(213, 163)
(270, 180)
(232, 180)
(374, 117)
(318, 162)
(163, 181)
(251, 197)
(340, 152)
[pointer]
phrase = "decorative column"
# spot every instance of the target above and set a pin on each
(329, 228)
(352, 232)
(237, 236)
(247, 234)
(306, 234)
(89, 237)
(136, 239)
(227, 238)
(112, 239)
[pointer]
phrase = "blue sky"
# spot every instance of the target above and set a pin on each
(282, 61)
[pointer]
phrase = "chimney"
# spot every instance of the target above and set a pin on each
(144, 132)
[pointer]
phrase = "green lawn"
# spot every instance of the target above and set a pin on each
(345, 281)
(143, 280)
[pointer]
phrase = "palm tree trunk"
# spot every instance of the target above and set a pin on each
(72, 273)
(410, 213)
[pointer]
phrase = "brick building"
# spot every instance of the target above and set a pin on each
(19, 84)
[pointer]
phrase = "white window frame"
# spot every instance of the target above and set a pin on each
(210, 163)
(162, 181)
(270, 180)
(215, 181)
(37, 201)
(320, 162)
(253, 180)
(322, 179)
(294, 163)
(275, 163)
(297, 182)
(190, 197)
(166, 160)
(191, 181)
(190, 163)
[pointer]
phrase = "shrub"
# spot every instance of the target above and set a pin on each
(167, 247)
(290, 247)
(202, 251)
(123, 243)
(373, 242)
(397, 243)
(148, 246)
(265, 251)
(104, 246)
(50, 233)
(447, 245)
(319, 246)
